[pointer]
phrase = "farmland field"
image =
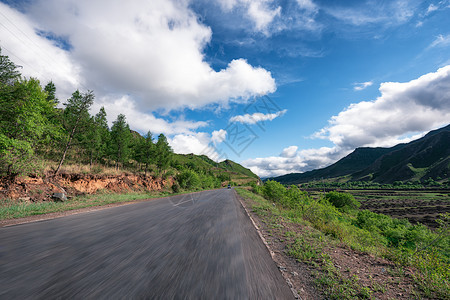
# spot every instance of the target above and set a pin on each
(418, 206)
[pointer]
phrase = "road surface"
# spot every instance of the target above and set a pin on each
(195, 246)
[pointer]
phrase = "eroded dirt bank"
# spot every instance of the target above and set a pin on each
(41, 188)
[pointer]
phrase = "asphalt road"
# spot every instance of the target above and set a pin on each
(196, 246)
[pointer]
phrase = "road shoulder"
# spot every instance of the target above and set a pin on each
(297, 275)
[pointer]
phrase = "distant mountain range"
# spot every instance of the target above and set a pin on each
(427, 157)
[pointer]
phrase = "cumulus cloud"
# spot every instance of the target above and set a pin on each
(218, 136)
(289, 151)
(261, 14)
(256, 117)
(415, 106)
(190, 143)
(403, 112)
(150, 50)
(359, 86)
(200, 143)
(141, 121)
(38, 56)
(293, 161)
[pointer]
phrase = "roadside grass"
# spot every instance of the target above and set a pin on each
(11, 209)
(308, 247)
(424, 252)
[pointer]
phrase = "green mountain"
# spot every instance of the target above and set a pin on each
(237, 168)
(427, 157)
(226, 168)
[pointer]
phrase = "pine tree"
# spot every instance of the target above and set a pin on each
(76, 116)
(50, 88)
(146, 151)
(120, 140)
(163, 153)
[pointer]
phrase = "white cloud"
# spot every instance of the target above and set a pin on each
(218, 136)
(190, 143)
(289, 151)
(37, 56)
(307, 5)
(441, 41)
(432, 8)
(359, 86)
(415, 106)
(149, 50)
(293, 161)
(141, 121)
(261, 12)
(402, 113)
(371, 12)
(256, 117)
(198, 143)
(262, 15)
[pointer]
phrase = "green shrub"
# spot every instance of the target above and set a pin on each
(175, 187)
(274, 191)
(188, 180)
(342, 200)
(397, 232)
(295, 198)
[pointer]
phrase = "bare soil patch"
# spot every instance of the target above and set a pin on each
(35, 189)
(418, 207)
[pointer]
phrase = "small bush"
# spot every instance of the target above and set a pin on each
(188, 180)
(342, 200)
(175, 187)
(274, 191)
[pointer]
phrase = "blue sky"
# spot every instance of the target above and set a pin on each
(279, 86)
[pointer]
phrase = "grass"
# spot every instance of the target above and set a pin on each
(308, 247)
(404, 244)
(10, 209)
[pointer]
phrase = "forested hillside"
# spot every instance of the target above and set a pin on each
(43, 136)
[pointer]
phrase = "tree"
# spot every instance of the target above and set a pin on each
(98, 136)
(51, 93)
(146, 151)
(163, 152)
(76, 116)
(103, 134)
(23, 124)
(8, 71)
(120, 140)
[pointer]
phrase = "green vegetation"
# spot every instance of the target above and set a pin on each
(12, 209)
(342, 201)
(39, 139)
(396, 185)
(414, 246)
